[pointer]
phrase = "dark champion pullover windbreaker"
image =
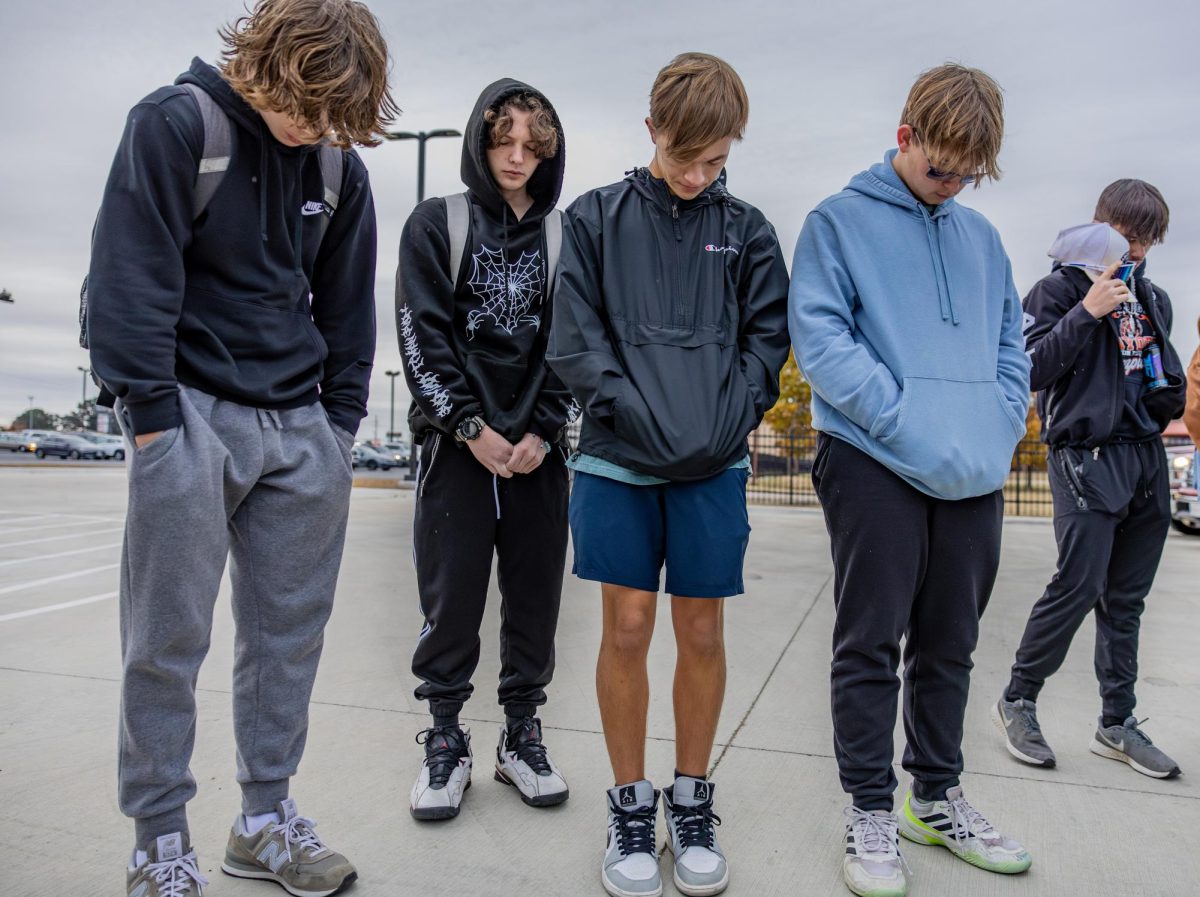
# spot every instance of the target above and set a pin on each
(241, 303)
(670, 325)
(1077, 369)
(474, 342)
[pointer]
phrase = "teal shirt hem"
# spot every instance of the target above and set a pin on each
(581, 463)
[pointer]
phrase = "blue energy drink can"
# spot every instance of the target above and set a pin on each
(1152, 363)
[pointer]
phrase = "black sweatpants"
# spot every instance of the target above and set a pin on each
(1112, 512)
(912, 566)
(463, 516)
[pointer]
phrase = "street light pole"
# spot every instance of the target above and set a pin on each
(86, 371)
(421, 137)
(392, 414)
(30, 421)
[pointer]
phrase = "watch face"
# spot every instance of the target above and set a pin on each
(470, 428)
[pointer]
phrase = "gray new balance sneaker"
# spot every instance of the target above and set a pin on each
(1129, 744)
(700, 867)
(1023, 736)
(288, 853)
(630, 867)
(169, 871)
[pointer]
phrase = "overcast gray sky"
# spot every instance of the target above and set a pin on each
(1095, 91)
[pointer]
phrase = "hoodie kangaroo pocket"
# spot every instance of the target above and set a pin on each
(954, 437)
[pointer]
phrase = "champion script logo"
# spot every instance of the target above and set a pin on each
(627, 797)
(313, 207)
(713, 247)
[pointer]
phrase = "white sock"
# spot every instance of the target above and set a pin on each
(255, 824)
(139, 858)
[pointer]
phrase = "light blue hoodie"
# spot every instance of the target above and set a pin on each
(908, 327)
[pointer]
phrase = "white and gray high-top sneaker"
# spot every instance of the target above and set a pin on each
(445, 773)
(630, 866)
(873, 865)
(700, 866)
(522, 761)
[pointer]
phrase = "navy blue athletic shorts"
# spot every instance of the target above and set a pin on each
(623, 534)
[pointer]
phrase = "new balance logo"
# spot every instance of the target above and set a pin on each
(274, 855)
(313, 207)
(701, 792)
(170, 847)
(628, 797)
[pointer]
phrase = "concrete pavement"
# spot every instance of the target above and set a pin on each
(1093, 825)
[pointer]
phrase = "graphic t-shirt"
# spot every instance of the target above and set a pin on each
(1135, 335)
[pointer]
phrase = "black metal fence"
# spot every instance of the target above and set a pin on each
(782, 464)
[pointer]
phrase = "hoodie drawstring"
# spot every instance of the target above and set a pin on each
(262, 182)
(933, 238)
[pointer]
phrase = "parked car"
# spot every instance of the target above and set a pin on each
(12, 441)
(363, 455)
(397, 451)
(111, 447)
(1185, 504)
(32, 438)
(64, 445)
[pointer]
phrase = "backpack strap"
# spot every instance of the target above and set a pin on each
(458, 223)
(218, 147)
(332, 161)
(554, 231)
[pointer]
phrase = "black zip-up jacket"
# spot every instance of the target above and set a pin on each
(670, 325)
(474, 342)
(223, 303)
(1077, 369)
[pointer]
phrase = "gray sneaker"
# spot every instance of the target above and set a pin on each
(1129, 744)
(288, 853)
(169, 871)
(630, 867)
(1023, 736)
(700, 866)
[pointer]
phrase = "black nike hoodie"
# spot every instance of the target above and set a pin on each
(246, 302)
(474, 340)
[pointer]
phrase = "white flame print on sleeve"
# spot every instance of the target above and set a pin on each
(427, 381)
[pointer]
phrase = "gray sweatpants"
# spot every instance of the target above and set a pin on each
(271, 491)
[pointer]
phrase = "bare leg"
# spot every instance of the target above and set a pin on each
(699, 679)
(622, 685)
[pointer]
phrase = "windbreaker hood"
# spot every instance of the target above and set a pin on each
(546, 183)
(657, 191)
(881, 182)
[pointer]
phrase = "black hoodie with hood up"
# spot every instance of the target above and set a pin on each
(246, 302)
(474, 341)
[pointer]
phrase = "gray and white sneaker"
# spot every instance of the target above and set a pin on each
(700, 866)
(1022, 734)
(169, 870)
(522, 761)
(956, 825)
(289, 853)
(873, 865)
(630, 866)
(1129, 744)
(445, 773)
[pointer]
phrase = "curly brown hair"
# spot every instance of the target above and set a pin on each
(541, 124)
(322, 62)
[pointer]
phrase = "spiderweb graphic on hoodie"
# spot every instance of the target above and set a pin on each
(507, 291)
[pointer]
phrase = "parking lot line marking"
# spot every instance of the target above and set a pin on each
(60, 554)
(95, 532)
(91, 599)
(24, 520)
(30, 529)
(32, 584)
